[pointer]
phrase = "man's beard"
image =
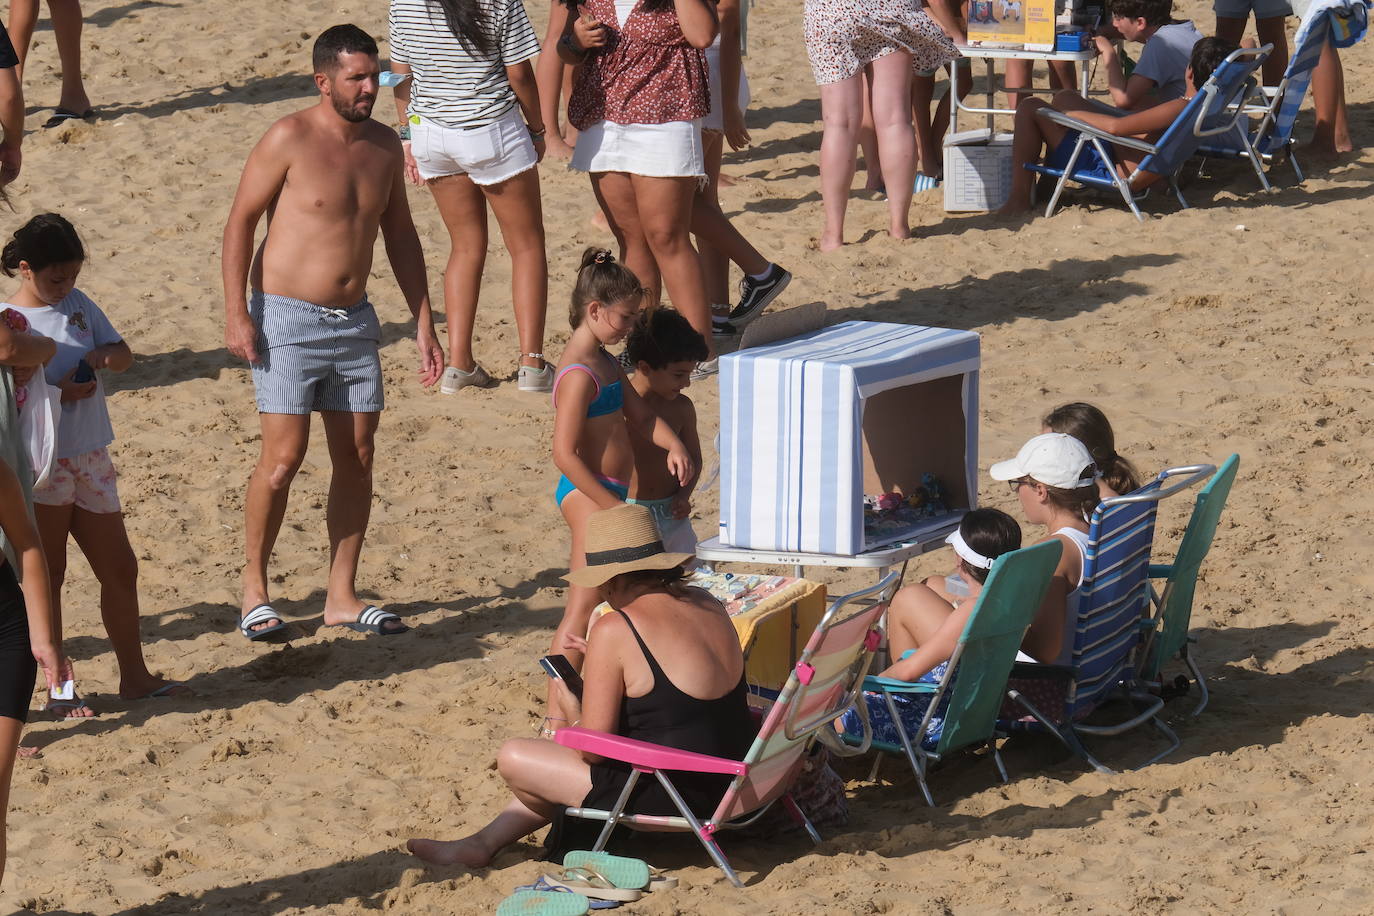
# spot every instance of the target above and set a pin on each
(349, 112)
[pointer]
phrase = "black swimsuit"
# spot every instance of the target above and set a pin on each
(17, 666)
(722, 727)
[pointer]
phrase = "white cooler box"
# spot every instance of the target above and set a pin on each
(977, 170)
(810, 425)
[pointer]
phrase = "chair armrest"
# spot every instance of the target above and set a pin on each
(1161, 570)
(1064, 120)
(893, 685)
(643, 754)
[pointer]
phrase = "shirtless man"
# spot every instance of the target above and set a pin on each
(328, 178)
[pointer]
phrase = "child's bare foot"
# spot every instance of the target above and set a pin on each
(75, 708)
(899, 232)
(830, 243)
(599, 221)
(467, 851)
(1325, 151)
(725, 181)
(151, 687)
(29, 753)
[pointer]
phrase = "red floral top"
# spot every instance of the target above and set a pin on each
(646, 74)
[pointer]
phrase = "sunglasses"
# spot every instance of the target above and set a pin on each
(1018, 483)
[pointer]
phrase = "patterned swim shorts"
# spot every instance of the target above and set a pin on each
(86, 480)
(315, 358)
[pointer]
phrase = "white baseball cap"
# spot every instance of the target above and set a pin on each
(1054, 459)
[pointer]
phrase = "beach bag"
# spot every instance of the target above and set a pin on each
(38, 419)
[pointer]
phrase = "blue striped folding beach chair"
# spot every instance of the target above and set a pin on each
(1337, 22)
(1216, 110)
(1114, 614)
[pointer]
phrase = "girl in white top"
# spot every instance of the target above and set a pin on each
(475, 133)
(79, 499)
(1055, 480)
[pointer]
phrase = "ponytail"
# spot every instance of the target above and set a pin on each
(1089, 425)
(601, 278)
(468, 23)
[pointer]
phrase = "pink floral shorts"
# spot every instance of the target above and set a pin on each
(87, 480)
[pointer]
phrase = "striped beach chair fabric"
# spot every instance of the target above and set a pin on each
(962, 707)
(824, 683)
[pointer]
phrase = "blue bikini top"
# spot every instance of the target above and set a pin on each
(609, 398)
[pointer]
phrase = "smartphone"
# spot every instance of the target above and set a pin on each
(558, 666)
(84, 373)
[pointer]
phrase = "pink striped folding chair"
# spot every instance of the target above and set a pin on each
(823, 684)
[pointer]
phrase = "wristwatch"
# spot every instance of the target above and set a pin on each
(403, 132)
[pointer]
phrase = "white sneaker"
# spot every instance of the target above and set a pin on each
(455, 380)
(706, 369)
(539, 381)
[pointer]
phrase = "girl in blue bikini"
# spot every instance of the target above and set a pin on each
(592, 402)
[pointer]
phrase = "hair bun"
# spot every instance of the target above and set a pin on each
(603, 257)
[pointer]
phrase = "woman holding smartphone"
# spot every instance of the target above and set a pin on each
(664, 667)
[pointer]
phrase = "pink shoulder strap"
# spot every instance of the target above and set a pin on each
(566, 369)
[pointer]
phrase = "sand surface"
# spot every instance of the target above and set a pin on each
(291, 779)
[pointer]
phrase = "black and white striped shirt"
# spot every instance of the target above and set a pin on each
(452, 86)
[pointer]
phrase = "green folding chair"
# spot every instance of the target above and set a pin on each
(963, 706)
(1174, 603)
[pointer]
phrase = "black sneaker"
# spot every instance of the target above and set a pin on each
(754, 295)
(721, 328)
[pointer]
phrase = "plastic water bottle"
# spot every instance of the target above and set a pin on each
(956, 586)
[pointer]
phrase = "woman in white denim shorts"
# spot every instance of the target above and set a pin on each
(466, 113)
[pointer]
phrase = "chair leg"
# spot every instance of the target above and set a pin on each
(1201, 681)
(913, 757)
(614, 817)
(705, 836)
(1174, 742)
(800, 817)
(877, 762)
(1259, 166)
(997, 758)
(1178, 192)
(1292, 157)
(1064, 178)
(1067, 736)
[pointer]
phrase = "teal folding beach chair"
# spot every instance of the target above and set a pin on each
(1336, 22)
(1114, 614)
(1216, 110)
(1174, 603)
(962, 708)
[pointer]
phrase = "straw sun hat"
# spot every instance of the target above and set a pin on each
(622, 540)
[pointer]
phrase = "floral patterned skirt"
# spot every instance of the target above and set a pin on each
(844, 36)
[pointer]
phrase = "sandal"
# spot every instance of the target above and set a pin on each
(622, 871)
(589, 883)
(529, 902)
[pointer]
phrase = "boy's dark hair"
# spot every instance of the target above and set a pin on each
(990, 532)
(1208, 53)
(1089, 425)
(662, 337)
(45, 240)
(1154, 12)
(340, 39)
(602, 278)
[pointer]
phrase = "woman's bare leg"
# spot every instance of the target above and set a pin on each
(10, 730)
(616, 195)
(841, 113)
(715, 266)
(927, 154)
(66, 27)
(868, 138)
(23, 19)
(463, 208)
(543, 777)
(548, 75)
(896, 139)
(665, 212)
(520, 214)
(1332, 134)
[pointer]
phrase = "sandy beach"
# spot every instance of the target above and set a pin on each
(290, 781)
